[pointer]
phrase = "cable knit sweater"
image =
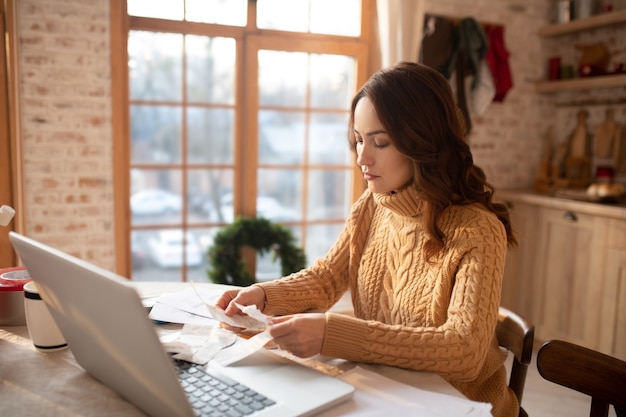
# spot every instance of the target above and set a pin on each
(437, 316)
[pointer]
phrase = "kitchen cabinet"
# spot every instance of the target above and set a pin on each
(613, 318)
(568, 274)
(519, 285)
(617, 17)
(569, 265)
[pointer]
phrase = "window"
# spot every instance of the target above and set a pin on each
(233, 108)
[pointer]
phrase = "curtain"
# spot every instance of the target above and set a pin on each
(400, 24)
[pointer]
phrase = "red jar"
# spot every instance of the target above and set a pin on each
(12, 282)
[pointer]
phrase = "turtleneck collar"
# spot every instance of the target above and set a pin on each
(404, 202)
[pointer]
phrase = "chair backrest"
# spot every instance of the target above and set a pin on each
(517, 335)
(601, 376)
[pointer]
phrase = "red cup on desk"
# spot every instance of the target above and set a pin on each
(43, 330)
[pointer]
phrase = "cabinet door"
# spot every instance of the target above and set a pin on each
(570, 265)
(613, 320)
(519, 287)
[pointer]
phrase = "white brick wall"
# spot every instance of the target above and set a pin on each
(65, 89)
(64, 60)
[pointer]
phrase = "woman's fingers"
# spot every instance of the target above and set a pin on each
(247, 296)
(226, 298)
(300, 334)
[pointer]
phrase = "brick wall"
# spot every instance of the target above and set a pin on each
(65, 83)
(64, 60)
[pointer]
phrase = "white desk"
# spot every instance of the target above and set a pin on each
(53, 384)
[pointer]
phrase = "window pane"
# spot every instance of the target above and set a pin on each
(281, 137)
(164, 253)
(329, 17)
(286, 15)
(210, 135)
(155, 134)
(138, 251)
(223, 12)
(224, 212)
(332, 200)
(345, 18)
(205, 236)
(206, 191)
(332, 78)
(161, 9)
(155, 65)
(328, 139)
(268, 266)
(156, 197)
(210, 69)
(279, 194)
(282, 78)
(319, 239)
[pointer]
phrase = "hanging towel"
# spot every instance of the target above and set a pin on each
(498, 59)
(478, 99)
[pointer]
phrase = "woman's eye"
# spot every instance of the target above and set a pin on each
(380, 144)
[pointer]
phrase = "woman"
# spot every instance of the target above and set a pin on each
(422, 251)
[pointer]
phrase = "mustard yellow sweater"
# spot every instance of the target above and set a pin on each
(438, 317)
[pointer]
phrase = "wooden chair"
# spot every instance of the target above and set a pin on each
(517, 335)
(601, 376)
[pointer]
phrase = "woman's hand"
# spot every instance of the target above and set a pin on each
(248, 296)
(300, 334)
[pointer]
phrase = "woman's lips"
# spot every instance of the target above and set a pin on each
(369, 177)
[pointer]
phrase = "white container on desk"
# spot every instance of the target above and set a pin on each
(42, 328)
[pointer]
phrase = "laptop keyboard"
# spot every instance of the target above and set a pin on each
(218, 396)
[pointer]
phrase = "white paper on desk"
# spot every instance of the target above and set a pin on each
(199, 343)
(171, 314)
(243, 348)
(196, 343)
(255, 314)
(184, 306)
(377, 395)
(195, 305)
(255, 320)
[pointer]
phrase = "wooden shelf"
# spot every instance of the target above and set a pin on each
(599, 20)
(603, 81)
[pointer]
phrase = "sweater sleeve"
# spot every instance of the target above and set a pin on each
(455, 349)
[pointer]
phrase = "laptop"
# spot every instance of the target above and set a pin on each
(111, 336)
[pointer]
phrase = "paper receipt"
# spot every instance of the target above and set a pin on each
(254, 320)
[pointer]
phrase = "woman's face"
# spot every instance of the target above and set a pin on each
(384, 168)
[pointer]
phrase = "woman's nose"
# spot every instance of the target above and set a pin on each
(363, 158)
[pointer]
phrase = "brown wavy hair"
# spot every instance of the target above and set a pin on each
(416, 106)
